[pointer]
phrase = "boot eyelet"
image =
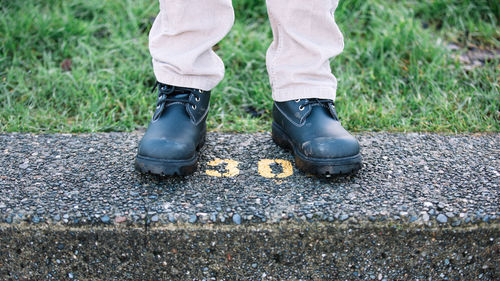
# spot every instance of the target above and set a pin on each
(197, 99)
(301, 108)
(193, 107)
(297, 100)
(200, 91)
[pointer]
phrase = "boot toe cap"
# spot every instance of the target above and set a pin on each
(166, 149)
(328, 147)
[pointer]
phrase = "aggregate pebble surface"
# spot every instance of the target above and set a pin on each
(419, 178)
(306, 251)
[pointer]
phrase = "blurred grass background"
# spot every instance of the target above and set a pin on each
(84, 66)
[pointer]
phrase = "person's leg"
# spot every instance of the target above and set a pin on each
(182, 38)
(186, 69)
(306, 37)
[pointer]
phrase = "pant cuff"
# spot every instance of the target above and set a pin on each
(167, 76)
(304, 92)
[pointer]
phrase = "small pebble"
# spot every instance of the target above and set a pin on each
(441, 206)
(213, 217)
(120, 219)
(192, 218)
(442, 218)
(171, 218)
(105, 219)
(237, 219)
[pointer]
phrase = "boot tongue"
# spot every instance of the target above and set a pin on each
(180, 93)
(180, 100)
(326, 105)
(180, 96)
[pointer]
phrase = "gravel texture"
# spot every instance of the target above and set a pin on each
(286, 251)
(430, 179)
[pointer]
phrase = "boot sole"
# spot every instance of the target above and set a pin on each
(167, 167)
(316, 166)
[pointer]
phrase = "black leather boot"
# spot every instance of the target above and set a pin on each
(311, 129)
(176, 132)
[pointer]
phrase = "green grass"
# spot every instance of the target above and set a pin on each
(395, 73)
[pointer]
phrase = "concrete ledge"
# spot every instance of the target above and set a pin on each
(423, 206)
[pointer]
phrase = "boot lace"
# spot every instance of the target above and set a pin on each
(169, 94)
(322, 102)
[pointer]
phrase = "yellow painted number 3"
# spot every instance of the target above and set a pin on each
(231, 168)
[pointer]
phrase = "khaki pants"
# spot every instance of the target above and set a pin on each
(305, 34)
